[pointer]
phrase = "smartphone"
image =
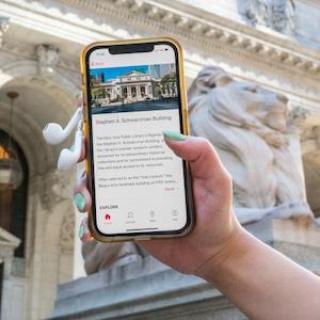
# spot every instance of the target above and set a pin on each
(134, 90)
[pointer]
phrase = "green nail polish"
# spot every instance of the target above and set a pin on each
(79, 201)
(81, 231)
(173, 135)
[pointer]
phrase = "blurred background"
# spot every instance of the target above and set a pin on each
(275, 44)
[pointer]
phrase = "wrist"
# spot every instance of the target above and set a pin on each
(235, 248)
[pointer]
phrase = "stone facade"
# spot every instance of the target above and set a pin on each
(275, 46)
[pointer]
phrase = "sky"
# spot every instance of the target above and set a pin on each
(113, 73)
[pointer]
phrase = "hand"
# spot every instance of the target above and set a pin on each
(216, 226)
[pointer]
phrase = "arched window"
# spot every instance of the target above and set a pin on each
(13, 203)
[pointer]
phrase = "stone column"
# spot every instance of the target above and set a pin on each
(138, 92)
(54, 193)
(129, 91)
(143, 87)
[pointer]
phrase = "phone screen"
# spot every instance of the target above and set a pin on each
(138, 182)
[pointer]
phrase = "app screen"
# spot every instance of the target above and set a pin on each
(138, 180)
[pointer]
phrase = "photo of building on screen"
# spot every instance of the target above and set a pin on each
(155, 84)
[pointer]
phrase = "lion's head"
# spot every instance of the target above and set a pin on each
(237, 101)
(247, 124)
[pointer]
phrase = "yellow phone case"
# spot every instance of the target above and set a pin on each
(95, 233)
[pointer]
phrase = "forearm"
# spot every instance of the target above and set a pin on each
(263, 283)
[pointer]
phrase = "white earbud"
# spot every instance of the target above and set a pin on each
(69, 157)
(53, 133)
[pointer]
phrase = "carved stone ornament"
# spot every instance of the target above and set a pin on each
(248, 125)
(54, 187)
(48, 57)
(278, 15)
(67, 232)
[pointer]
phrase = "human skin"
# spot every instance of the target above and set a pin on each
(260, 281)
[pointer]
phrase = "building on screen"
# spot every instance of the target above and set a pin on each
(135, 86)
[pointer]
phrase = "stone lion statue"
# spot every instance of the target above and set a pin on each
(250, 128)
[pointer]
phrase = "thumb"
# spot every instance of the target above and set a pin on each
(203, 158)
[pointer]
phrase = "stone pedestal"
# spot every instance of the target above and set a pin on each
(147, 289)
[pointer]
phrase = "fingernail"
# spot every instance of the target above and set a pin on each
(77, 94)
(82, 231)
(173, 135)
(79, 200)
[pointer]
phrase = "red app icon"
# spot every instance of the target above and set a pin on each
(107, 217)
